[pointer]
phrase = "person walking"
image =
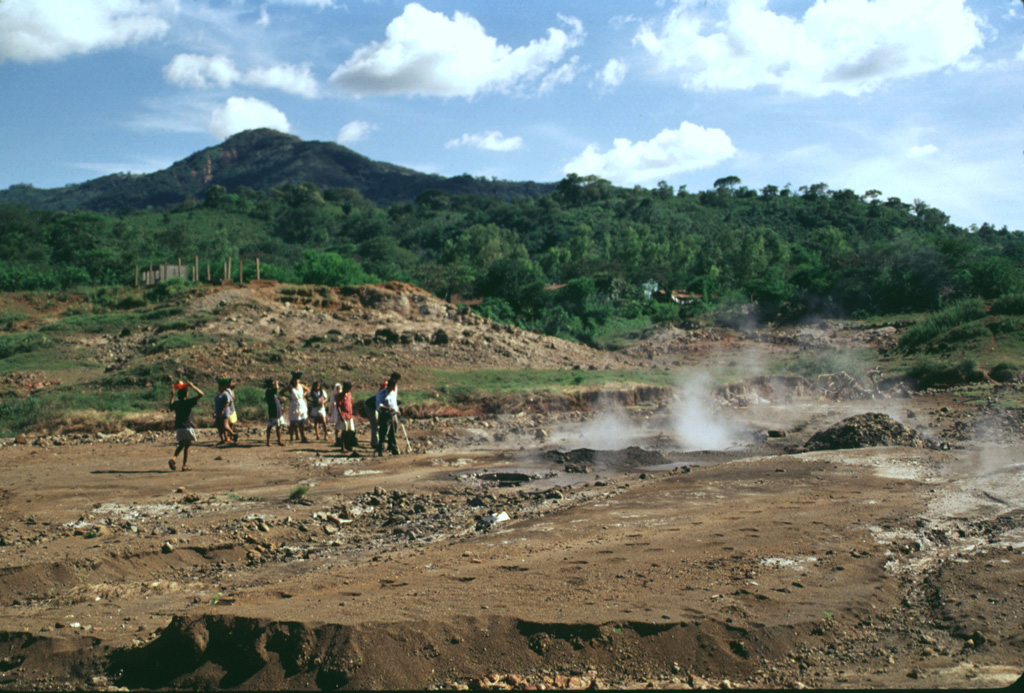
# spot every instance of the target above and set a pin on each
(184, 423)
(275, 416)
(223, 407)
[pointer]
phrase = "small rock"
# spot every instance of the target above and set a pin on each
(167, 547)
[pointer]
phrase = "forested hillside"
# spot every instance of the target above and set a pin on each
(575, 263)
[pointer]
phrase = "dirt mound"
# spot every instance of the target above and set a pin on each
(864, 431)
(629, 458)
(216, 652)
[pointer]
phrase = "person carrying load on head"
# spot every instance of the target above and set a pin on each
(184, 423)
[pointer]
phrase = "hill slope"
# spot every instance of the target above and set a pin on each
(260, 159)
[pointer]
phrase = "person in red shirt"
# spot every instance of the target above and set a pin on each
(345, 424)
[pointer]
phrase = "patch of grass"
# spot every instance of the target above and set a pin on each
(1010, 304)
(970, 332)
(23, 342)
(617, 333)
(941, 322)
(298, 493)
(457, 386)
(1004, 372)
(931, 373)
(162, 313)
(1006, 325)
(812, 364)
(250, 404)
(177, 340)
(184, 323)
(72, 408)
(108, 323)
(51, 360)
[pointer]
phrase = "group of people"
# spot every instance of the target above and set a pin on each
(293, 406)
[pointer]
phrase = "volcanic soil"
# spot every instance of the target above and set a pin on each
(607, 544)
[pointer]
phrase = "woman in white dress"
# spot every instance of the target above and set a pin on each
(298, 412)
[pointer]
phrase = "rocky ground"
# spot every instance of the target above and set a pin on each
(655, 539)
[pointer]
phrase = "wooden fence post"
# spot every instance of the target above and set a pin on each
(208, 272)
(257, 269)
(136, 276)
(239, 271)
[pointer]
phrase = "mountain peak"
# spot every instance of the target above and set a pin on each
(260, 159)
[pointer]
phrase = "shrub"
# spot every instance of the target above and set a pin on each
(22, 342)
(1004, 372)
(1010, 304)
(931, 373)
(942, 321)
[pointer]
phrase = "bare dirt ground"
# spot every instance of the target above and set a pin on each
(582, 549)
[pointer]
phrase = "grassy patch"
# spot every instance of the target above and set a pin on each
(812, 364)
(298, 493)
(177, 340)
(1011, 304)
(459, 386)
(73, 408)
(23, 342)
(184, 323)
(931, 373)
(617, 333)
(108, 323)
(941, 322)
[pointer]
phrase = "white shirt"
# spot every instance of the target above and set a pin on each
(388, 397)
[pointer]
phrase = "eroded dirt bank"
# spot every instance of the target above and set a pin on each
(762, 565)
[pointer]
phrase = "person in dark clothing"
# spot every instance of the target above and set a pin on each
(184, 424)
(275, 415)
(387, 413)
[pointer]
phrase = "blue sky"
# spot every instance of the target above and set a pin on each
(919, 99)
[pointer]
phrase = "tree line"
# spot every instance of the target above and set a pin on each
(579, 262)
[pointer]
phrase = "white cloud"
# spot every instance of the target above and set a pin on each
(563, 74)
(189, 70)
(614, 72)
(355, 131)
(923, 150)
(36, 30)
(492, 141)
(292, 79)
(838, 46)
(238, 114)
(669, 153)
(264, 20)
(429, 54)
(310, 3)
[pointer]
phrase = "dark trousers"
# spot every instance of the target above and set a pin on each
(386, 425)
